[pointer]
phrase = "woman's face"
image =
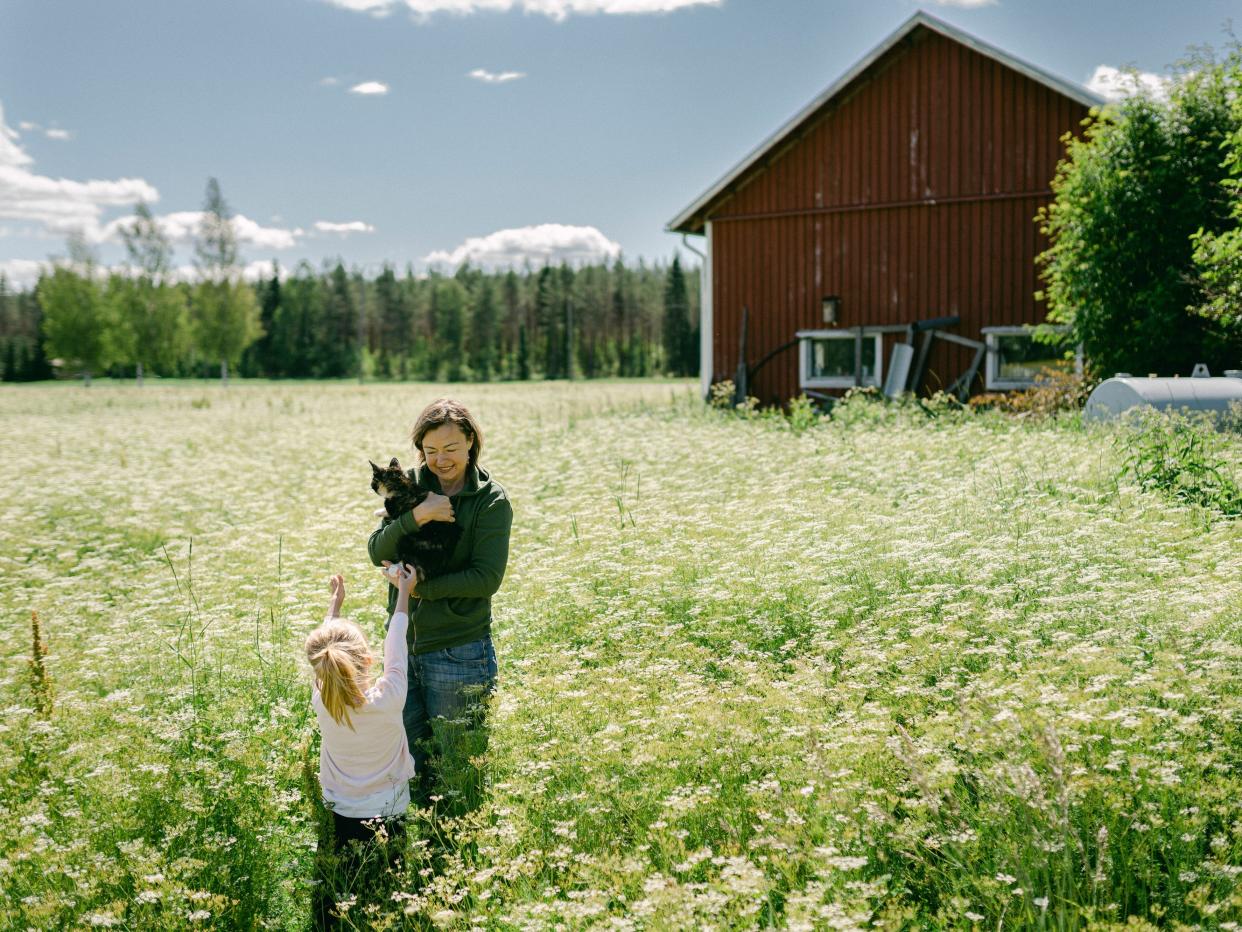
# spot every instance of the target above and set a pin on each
(447, 452)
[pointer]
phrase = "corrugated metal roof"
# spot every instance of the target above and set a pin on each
(691, 219)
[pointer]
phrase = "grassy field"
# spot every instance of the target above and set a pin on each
(885, 672)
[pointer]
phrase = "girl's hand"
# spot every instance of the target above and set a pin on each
(403, 576)
(435, 507)
(407, 580)
(336, 585)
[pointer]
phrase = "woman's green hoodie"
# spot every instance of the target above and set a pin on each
(456, 607)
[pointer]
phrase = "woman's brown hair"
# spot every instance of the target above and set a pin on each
(447, 411)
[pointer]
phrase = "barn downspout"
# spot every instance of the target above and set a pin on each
(686, 242)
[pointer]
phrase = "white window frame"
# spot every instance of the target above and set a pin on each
(991, 369)
(847, 381)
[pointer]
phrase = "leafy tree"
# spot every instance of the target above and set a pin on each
(226, 315)
(1130, 194)
(76, 318)
(1218, 256)
(226, 321)
(151, 314)
(215, 249)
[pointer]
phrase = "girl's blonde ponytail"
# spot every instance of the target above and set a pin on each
(337, 651)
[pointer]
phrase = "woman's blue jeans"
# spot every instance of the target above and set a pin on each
(447, 689)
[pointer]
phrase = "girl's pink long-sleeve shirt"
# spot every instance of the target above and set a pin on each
(364, 771)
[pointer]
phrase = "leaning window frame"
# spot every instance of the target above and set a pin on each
(992, 382)
(836, 381)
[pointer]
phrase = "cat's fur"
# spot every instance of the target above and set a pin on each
(430, 549)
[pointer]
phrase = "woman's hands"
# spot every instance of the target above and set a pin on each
(435, 507)
(405, 578)
(336, 585)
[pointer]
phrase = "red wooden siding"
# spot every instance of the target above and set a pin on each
(913, 196)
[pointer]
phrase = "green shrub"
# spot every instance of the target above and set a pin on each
(802, 414)
(1176, 456)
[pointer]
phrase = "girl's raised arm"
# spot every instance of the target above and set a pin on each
(394, 681)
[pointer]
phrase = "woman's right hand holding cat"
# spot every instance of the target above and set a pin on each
(434, 507)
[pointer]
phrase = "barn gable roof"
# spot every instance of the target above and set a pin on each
(692, 219)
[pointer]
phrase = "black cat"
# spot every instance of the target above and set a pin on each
(430, 549)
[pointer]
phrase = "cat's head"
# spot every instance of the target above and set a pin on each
(387, 480)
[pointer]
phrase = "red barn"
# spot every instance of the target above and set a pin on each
(906, 192)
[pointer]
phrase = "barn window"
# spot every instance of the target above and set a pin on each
(1016, 359)
(827, 358)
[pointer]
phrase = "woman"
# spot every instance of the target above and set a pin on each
(452, 663)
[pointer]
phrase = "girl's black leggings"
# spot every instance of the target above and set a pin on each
(364, 831)
(359, 867)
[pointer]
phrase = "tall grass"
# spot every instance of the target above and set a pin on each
(884, 671)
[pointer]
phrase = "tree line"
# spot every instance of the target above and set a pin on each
(553, 322)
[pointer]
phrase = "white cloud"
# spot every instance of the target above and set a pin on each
(182, 226)
(62, 205)
(547, 242)
(248, 231)
(59, 205)
(369, 88)
(262, 269)
(11, 154)
(374, 7)
(492, 77)
(1116, 84)
(554, 9)
(21, 273)
(329, 81)
(353, 226)
(258, 270)
(26, 126)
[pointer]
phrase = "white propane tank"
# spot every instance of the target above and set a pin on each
(1200, 392)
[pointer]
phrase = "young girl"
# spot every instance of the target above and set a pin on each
(364, 760)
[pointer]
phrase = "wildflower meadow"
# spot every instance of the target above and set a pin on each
(904, 668)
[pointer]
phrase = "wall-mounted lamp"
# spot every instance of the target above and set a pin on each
(832, 309)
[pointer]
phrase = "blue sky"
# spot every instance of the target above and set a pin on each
(499, 129)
